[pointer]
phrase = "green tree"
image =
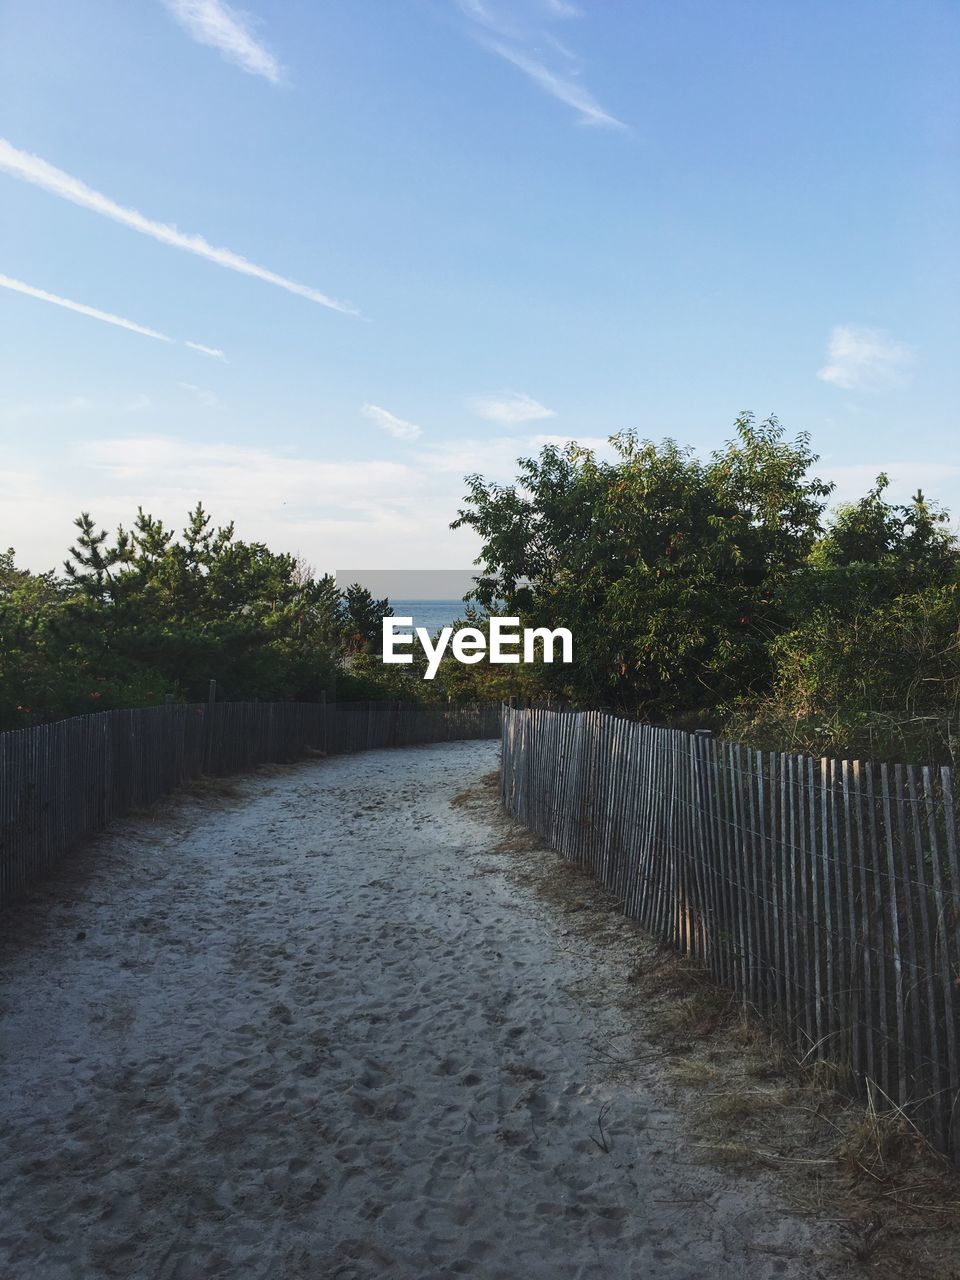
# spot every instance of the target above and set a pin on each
(869, 661)
(143, 613)
(665, 567)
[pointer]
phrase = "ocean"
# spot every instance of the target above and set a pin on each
(432, 614)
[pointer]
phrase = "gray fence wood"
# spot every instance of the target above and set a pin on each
(62, 782)
(825, 893)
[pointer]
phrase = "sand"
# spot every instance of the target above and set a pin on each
(314, 1031)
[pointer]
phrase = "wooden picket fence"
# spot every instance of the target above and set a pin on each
(62, 782)
(825, 892)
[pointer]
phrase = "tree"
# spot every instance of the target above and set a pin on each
(665, 567)
(362, 619)
(144, 613)
(869, 661)
(30, 675)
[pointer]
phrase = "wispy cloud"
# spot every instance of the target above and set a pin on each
(293, 500)
(564, 87)
(214, 352)
(216, 24)
(107, 317)
(493, 457)
(562, 9)
(391, 423)
(49, 408)
(20, 164)
(518, 37)
(208, 399)
(865, 359)
(938, 480)
(510, 409)
(354, 510)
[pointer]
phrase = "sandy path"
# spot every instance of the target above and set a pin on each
(313, 1035)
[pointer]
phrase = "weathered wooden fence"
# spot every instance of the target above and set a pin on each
(826, 893)
(62, 782)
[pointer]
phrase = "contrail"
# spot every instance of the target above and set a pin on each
(213, 23)
(20, 164)
(215, 352)
(19, 287)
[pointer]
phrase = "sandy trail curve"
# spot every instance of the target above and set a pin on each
(313, 1034)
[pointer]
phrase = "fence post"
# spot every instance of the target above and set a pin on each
(211, 703)
(700, 854)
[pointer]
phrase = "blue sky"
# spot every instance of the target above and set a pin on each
(541, 219)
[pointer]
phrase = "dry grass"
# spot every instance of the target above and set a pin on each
(692, 1074)
(204, 788)
(747, 1102)
(220, 791)
(520, 842)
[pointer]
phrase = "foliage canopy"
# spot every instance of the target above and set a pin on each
(717, 592)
